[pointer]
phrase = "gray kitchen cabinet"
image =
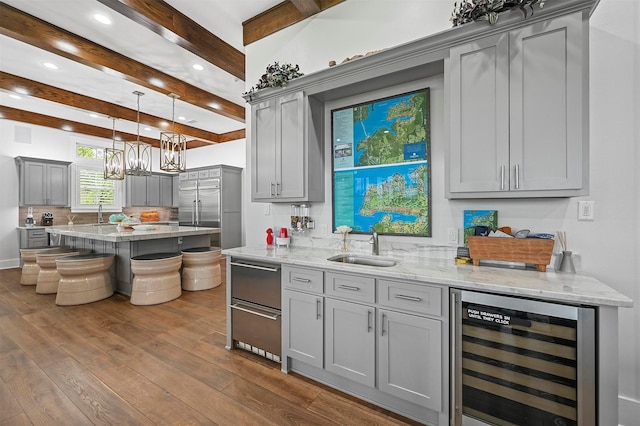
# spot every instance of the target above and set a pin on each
(286, 149)
(350, 340)
(518, 112)
(175, 191)
(303, 326)
(43, 182)
(410, 358)
(149, 191)
(33, 237)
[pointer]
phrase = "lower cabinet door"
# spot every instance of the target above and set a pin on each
(350, 340)
(410, 358)
(303, 327)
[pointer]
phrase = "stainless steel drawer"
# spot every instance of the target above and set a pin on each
(351, 287)
(304, 279)
(423, 299)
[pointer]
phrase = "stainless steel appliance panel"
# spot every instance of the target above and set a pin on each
(187, 202)
(257, 325)
(208, 203)
(521, 361)
(257, 283)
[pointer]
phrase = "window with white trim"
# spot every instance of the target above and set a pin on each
(90, 188)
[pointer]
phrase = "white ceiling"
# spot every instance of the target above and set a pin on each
(221, 17)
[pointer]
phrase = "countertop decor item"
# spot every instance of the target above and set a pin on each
(536, 251)
(566, 261)
(344, 230)
(276, 75)
(488, 10)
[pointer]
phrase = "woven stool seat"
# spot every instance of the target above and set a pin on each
(156, 278)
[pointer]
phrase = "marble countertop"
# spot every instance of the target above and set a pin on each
(113, 233)
(560, 287)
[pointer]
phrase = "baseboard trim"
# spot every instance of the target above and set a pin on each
(9, 263)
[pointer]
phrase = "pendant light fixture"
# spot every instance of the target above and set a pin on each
(173, 146)
(138, 154)
(114, 159)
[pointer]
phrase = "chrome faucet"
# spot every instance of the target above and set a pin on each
(375, 249)
(100, 212)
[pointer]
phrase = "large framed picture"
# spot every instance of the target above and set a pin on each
(381, 165)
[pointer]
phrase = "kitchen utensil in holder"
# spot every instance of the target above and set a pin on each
(566, 263)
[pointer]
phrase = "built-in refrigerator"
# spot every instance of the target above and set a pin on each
(211, 197)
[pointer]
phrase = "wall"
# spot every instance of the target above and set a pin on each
(606, 248)
(60, 145)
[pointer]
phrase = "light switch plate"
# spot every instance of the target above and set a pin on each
(586, 210)
(452, 236)
(267, 209)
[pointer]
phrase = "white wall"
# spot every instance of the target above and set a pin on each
(60, 145)
(606, 248)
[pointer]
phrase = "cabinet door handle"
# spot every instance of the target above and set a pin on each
(369, 323)
(411, 298)
(384, 317)
(318, 308)
(277, 189)
(301, 280)
(517, 176)
(273, 185)
(502, 178)
(349, 287)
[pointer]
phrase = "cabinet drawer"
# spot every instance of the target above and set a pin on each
(351, 287)
(302, 279)
(422, 299)
(36, 233)
(38, 242)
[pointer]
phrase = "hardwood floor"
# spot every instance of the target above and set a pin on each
(110, 362)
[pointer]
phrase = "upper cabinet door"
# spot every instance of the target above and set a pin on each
(263, 150)
(290, 152)
(548, 109)
(34, 182)
(58, 185)
(479, 113)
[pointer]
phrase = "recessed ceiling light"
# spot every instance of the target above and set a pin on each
(197, 67)
(50, 65)
(14, 96)
(182, 117)
(103, 19)
(214, 105)
(147, 129)
(93, 115)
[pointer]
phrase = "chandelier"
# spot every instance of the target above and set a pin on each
(173, 146)
(138, 154)
(114, 159)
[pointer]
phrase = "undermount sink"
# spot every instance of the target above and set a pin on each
(363, 260)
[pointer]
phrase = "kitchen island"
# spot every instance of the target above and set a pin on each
(387, 334)
(126, 243)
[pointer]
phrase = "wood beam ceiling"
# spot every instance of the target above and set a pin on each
(169, 23)
(10, 82)
(31, 30)
(281, 16)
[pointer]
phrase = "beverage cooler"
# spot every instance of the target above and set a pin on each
(521, 362)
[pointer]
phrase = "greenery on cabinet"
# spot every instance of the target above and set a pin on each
(276, 75)
(488, 10)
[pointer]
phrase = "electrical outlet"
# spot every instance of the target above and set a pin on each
(267, 209)
(586, 210)
(452, 234)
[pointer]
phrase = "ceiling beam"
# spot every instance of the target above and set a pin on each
(36, 32)
(11, 82)
(281, 16)
(168, 22)
(307, 7)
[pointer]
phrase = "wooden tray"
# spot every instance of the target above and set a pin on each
(535, 251)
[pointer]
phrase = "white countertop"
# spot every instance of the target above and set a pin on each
(561, 287)
(112, 233)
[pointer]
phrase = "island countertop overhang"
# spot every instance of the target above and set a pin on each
(111, 233)
(551, 286)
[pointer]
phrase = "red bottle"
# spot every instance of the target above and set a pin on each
(269, 236)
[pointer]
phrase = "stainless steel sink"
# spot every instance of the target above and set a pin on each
(363, 260)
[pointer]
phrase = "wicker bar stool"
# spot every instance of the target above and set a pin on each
(156, 278)
(30, 268)
(84, 278)
(48, 277)
(201, 268)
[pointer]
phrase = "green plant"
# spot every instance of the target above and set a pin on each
(478, 10)
(276, 75)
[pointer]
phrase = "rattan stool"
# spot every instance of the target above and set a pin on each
(48, 277)
(156, 278)
(84, 278)
(30, 268)
(201, 268)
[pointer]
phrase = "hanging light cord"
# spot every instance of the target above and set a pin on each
(173, 115)
(113, 140)
(138, 119)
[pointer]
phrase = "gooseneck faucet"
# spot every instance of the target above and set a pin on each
(375, 250)
(100, 212)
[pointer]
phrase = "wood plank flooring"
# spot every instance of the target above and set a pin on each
(112, 363)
